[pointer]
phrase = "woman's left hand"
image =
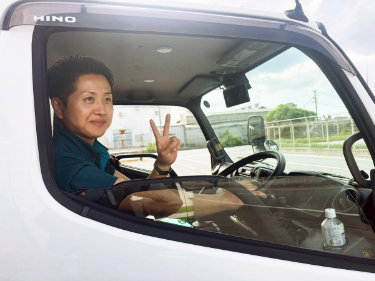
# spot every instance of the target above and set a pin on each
(252, 188)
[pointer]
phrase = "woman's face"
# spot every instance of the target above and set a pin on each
(89, 110)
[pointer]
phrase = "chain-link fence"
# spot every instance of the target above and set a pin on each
(312, 132)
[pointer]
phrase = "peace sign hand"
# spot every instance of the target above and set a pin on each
(166, 147)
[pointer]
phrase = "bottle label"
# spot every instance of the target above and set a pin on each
(334, 235)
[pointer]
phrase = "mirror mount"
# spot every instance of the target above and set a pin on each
(236, 80)
(270, 145)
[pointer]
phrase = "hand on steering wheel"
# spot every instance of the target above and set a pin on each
(279, 169)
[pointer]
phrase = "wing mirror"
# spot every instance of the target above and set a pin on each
(256, 135)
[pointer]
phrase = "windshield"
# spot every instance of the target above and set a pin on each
(304, 118)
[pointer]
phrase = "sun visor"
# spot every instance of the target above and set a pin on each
(199, 85)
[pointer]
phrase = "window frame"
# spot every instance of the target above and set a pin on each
(175, 233)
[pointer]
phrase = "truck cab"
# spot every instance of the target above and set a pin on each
(240, 87)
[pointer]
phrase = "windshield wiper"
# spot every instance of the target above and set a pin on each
(259, 162)
(331, 175)
(264, 163)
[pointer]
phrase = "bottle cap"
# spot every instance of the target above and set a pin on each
(330, 213)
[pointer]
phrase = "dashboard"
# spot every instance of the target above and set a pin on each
(294, 210)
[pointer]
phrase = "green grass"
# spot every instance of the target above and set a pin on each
(315, 140)
(151, 148)
(316, 143)
(192, 147)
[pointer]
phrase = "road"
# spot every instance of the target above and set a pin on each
(197, 162)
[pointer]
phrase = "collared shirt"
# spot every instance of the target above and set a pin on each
(79, 164)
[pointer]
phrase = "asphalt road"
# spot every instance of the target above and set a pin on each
(197, 162)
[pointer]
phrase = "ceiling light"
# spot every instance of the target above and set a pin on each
(241, 53)
(148, 80)
(164, 50)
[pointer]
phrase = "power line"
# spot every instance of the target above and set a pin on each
(332, 105)
(307, 102)
(328, 94)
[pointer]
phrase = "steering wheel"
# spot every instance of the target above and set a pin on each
(279, 169)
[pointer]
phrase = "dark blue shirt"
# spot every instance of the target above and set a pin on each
(79, 164)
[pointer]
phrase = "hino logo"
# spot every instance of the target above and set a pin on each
(55, 18)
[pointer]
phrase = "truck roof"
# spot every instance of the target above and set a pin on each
(167, 5)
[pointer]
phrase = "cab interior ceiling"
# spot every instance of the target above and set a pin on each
(179, 76)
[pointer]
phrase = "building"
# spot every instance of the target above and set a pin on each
(131, 127)
(234, 121)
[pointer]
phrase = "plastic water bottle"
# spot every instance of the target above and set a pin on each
(333, 231)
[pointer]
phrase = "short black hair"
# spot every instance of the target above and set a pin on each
(64, 74)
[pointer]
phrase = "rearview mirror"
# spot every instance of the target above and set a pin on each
(236, 95)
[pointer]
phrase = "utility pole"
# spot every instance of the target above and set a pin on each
(316, 104)
(159, 119)
(367, 71)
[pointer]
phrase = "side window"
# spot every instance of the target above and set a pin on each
(130, 133)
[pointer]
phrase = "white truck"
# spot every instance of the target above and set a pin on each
(210, 65)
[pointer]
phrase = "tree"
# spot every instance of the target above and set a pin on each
(228, 140)
(283, 112)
